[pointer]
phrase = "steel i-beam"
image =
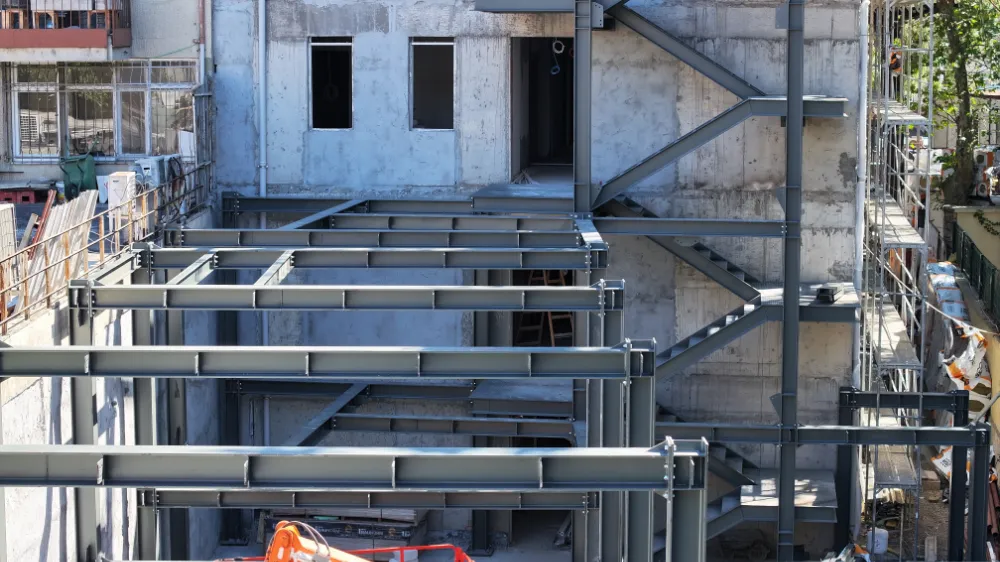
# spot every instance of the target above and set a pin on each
(581, 258)
(369, 469)
(329, 362)
(605, 296)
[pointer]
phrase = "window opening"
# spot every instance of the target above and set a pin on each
(133, 125)
(132, 108)
(38, 125)
(331, 71)
(432, 86)
(91, 122)
(542, 110)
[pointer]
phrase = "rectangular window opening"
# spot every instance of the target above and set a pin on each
(332, 81)
(433, 83)
(91, 122)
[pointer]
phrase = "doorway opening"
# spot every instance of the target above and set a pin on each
(542, 110)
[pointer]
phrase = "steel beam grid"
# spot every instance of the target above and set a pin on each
(241, 499)
(580, 258)
(478, 426)
(968, 436)
(604, 296)
(619, 362)
(354, 469)
(233, 203)
(374, 238)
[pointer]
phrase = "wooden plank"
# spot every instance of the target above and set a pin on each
(62, 218)
(29, 231)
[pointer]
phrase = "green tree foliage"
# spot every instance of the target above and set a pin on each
(966, 66)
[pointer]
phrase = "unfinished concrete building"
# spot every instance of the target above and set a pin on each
(380, 188)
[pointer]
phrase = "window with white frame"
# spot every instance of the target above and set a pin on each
(113, 111)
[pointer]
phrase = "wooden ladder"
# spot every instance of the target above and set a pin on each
(560, 323)
(531, 329)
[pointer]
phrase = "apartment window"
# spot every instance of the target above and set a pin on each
(111, 111)
(332, 81)
(432, 83)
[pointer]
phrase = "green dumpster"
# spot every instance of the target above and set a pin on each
(79, 174)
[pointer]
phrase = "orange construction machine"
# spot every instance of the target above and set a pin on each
(289, 545)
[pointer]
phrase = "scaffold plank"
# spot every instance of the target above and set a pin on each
(894, 113)
(887, 334)
(892, 226)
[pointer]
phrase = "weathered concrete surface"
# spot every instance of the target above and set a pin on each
(203, 422)
(38, 411)
(643, 98)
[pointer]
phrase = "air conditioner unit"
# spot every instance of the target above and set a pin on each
(153, 171)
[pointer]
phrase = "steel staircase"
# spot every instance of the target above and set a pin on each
(722, 461)
(721, 515)
(705, 341)
(699, 256)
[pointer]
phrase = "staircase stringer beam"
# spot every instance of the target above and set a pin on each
(690, 255)
(724, 522)
(685, 53)
(699, 136)
(712, 343)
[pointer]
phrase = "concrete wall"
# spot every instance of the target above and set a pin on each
(643, 99)
(38, 411)
(203, 423)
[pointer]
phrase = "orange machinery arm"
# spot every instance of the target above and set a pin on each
(288, 545)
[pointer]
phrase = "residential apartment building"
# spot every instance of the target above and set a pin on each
(106, 78)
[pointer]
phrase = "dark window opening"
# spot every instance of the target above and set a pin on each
(433, 85)
(541, 105)
(332, 102)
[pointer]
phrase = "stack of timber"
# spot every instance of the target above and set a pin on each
(354, 529)
(65, 233)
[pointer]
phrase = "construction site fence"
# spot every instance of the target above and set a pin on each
(74, 251)
(981, 272)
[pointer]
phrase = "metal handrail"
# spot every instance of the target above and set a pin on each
(138, 219)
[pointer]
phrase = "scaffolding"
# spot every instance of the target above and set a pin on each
(897, 194)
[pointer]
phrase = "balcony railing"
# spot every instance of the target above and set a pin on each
(981, 272)
(65, 23)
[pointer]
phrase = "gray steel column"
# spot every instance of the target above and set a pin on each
(481, 543)
(229, 403)
(978, 496)
(641, 421)
(846, 455)
(145, 419)
(177, 435)
(3, 499)
(792, 253)
(686, 539)
(81, 332)
(613, 507)
(582, 37)
(956, 509)
(587, 400)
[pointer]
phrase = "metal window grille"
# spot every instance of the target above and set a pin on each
(111, 110)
